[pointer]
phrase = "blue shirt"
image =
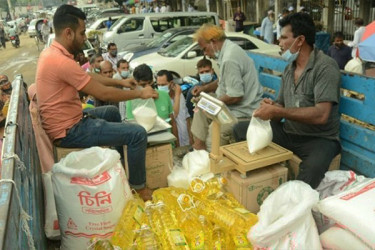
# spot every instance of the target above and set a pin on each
(341, 55)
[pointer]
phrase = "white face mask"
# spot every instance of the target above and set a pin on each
(164, 88)
(216, 52)
(289, 56)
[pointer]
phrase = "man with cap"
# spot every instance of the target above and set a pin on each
(266, 30)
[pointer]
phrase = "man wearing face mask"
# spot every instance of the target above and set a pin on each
(122, 73)
(339, 50)
(207, 83)
(111, 55)
(165, 83)
(238, 85)
(308, 101)
(95, 61)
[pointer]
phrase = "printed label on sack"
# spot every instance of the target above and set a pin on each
(56, 225)
(71, 224)
(96, 181)
(99, 203)
(361, 191)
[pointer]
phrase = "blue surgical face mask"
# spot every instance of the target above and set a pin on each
(163, 88)
(96, 70)
(289, 56)
(124, 74)
(205, 77)
(113, 52)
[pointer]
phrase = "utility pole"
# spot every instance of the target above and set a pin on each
(10, 9)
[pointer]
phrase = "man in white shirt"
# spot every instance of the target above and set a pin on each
(266, 30)
(112, 55)
(357, 36)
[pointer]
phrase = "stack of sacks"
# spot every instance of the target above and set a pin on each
(353, 213)
(194, 164)
(334, 182)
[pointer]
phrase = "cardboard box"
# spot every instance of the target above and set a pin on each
(293, 166)
(255, 188)
(159, 162)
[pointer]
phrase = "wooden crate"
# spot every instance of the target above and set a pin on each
(244, 161)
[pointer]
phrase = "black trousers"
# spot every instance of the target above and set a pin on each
(316, 153)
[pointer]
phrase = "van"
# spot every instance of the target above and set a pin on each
(134, 30)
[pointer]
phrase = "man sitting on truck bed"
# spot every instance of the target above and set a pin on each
(308, 101)
(58, 80)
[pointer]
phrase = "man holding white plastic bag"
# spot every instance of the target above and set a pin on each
(238, 85)
(58, 80)
(308, 101)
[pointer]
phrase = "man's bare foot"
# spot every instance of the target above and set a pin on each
(145, 193)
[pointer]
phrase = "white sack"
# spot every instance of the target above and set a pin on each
(51, 224)
(354, 210)
(339, 238)
(259, 134)
(285, 219)
(91, 190)
(334, 182)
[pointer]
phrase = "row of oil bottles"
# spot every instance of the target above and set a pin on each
(203, 217)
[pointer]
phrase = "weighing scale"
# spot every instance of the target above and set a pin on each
(237, 155)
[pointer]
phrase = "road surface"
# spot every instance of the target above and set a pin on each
(22, 60)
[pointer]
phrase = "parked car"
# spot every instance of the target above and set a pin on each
(87, 47)
(99, 27)
(95, 15)
(160, 42)
(133, 30)
(31, 29)
(182, 56)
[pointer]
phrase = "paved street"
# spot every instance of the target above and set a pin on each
(22, 60)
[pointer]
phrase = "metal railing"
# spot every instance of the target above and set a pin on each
(21, 191)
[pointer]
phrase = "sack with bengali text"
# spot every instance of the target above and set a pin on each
(91, 190)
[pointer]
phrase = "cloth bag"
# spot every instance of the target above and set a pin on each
(285, 219)
(91, 190)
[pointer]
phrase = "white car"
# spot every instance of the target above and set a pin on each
(182, 56)
(87, 47)
(100, 25)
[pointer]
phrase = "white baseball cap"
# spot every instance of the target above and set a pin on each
(270, 12)
(291, 8)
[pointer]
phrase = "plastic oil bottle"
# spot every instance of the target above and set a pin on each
(207, 229)
(146, 239)
(220, 239)
(131, 218)
(171, 233)
(189, 223)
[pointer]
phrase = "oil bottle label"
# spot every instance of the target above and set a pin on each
(177, 237)
(241, 241)
(138, 214)
(241, 210)
(217, 245)
(198, 241)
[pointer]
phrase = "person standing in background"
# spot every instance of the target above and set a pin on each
(339, 50)
(239, 17)
(357, 36)
(266, 30)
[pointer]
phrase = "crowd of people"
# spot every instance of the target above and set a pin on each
(87, 102)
